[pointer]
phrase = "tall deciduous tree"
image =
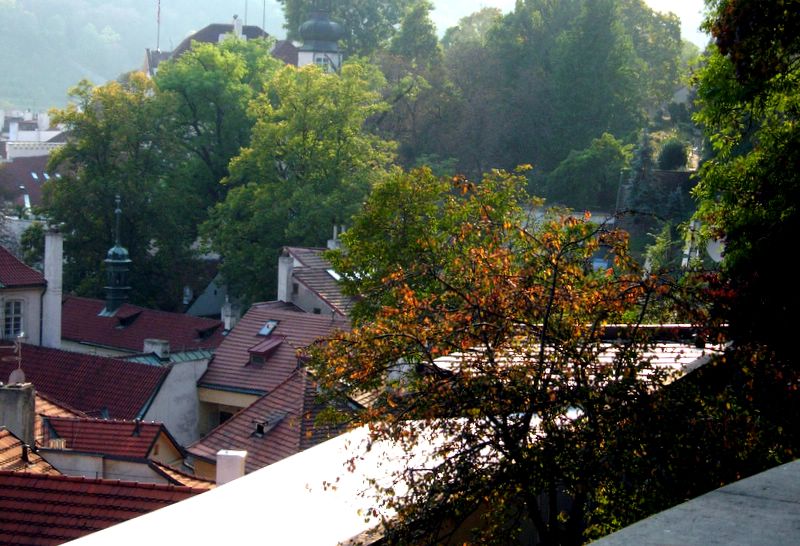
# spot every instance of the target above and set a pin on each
(750, 187)
(209, 88)
(519, 410)
(118, 145)
(308, 167)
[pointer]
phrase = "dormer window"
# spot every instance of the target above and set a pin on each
(262, 427)
(260, 353)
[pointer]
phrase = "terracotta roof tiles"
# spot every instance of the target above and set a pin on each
(48, 407)
(45, 509)
(129, 439)
(131, 325)
(14, 273)
(315, 274)
(230, 368)
(95, 385)
(177, 477)
(276, 426)
(13, 457)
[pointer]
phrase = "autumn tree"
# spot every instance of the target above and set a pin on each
(309, 165)
(484, 339)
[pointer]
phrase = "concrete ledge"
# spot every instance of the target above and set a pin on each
(761, 509)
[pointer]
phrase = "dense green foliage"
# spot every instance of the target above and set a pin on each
(750, 188)
(120, 145)
(590, 179)
(308, 167)
(673, 155)
(535, 84)
(162, 145)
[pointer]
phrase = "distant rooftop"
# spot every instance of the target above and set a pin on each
(47, 510)
(130, 325)
(95, 385)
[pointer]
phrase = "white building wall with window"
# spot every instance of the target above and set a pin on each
(21, 314)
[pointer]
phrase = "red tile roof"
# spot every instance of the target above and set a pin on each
(275, 426)
(131, 325)
(15, 274)
(211, 33)
(178, 477)
(230, 368)
(44, 509)
(47, 407)
(129, 439)
(314, 274)
(95, 385)
(286, 51)
(13, 457)
(17, 180)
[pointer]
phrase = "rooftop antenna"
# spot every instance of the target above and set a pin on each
(158, 27)
(17, 376)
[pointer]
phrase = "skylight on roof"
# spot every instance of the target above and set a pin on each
(34, 175)
(268, 327)
(334, 274)
(46, 176)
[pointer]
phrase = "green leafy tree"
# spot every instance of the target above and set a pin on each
(309, 166)
(518, 413)
(208, 89)
(118, 145)
(590, 179)
(749, 188)
(673, 155)
(416, 39)
(472, 29)
(368, 24)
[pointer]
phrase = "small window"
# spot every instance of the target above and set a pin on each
(34, 175)
(12, 319)
(317, 310)
(334, 274)
(295, 288)
(268, 327)
(46, 176)
(257, 360)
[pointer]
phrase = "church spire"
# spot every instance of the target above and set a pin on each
(117, 268)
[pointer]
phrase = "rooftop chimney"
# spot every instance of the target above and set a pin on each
(17, 410)
(51, 305)
(158, 346)
(285, 267)
(230, 465)
(230, 314)
(237, 26)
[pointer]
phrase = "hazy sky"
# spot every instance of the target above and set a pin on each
(448, 12)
